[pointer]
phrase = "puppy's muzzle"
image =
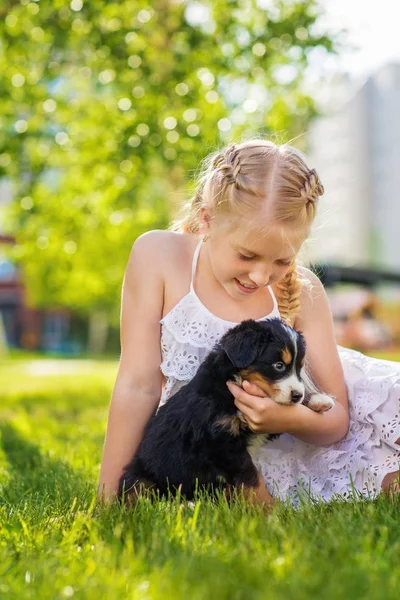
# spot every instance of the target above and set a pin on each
(286, 391)
(289, 391)
(296, 396)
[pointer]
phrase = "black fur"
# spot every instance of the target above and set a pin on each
(183, 444)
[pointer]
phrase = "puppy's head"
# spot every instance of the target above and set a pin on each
(269, 354)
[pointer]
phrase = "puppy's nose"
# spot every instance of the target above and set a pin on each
(296, 396)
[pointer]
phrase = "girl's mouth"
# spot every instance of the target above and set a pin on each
(245, 288)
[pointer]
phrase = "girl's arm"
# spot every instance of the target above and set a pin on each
(315, 321)
(264, 415)
(137, 389)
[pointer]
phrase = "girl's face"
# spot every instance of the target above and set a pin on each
(244, 260)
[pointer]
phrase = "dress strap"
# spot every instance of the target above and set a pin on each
(195, 259)
(273, 299)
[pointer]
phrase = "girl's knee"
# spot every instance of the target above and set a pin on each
(391, 483)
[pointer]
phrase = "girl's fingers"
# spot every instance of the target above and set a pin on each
(240, 395)
(247, 412)
(248, 405)
(242, 407)
(247, 389)
(253, 389)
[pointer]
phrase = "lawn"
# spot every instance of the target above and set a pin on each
(57, 542)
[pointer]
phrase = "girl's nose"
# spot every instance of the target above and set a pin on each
(260, 277)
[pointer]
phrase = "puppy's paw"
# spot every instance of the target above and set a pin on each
(320, 402)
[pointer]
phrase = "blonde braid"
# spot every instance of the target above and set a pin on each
(289, 289)
(290, 286)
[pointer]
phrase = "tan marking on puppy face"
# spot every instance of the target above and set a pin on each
(233, 424)
(257, 379)
(287, 356)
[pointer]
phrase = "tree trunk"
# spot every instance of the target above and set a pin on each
(98, 332)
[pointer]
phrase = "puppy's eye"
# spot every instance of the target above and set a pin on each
(279, 366)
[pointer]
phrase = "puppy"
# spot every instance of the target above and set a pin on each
(198, 439)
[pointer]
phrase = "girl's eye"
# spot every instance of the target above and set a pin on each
(244, 257)
(281, 262)
(279, 366)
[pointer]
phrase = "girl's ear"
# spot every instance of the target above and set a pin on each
(205, 220)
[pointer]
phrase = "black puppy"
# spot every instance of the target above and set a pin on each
(198, 438)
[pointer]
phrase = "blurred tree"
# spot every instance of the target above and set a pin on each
(106, 109)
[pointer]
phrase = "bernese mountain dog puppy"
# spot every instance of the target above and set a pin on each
(198, 439)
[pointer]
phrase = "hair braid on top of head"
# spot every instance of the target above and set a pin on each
(227, 164)
(312, 187)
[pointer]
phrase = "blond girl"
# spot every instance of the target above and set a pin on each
(233, 257)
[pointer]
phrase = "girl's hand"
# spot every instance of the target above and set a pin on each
(262, 414)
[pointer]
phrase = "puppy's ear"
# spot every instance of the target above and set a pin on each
(242, 350)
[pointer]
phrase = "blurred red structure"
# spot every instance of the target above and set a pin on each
(27, 327)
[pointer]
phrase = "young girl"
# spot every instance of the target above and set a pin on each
(234, 258)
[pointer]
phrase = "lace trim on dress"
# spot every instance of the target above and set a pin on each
(180, 360)
(190, 323)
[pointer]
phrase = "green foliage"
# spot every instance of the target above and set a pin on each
(57, 541)
(106, 109)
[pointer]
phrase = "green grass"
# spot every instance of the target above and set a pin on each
(393, 355)
(56, 541)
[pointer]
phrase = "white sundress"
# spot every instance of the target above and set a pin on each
(293, 469)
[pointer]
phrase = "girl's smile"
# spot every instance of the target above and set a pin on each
(246, 289)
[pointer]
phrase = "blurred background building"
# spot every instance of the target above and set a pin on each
(356, 150)
(355, 147)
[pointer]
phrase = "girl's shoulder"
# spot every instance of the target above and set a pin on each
(313, 296)
(166, 251)
(163, 240)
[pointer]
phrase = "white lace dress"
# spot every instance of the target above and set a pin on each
(291, 468)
